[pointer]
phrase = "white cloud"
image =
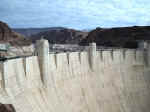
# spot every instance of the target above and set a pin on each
(74, 13)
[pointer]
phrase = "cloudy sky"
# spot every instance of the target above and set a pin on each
(79, 14)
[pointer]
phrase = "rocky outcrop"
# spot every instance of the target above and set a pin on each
(6, 108)
(15, 39)
(118, 37)
(61, 36)
(5, 31)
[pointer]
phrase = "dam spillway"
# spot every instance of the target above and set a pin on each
(95, 81)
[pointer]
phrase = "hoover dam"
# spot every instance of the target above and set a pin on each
(112, 80)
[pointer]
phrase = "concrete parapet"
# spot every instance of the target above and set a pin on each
(92, 55)
(43, 56)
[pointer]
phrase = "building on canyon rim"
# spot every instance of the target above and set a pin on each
(106, 80)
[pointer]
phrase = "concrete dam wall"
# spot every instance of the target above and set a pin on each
(95, 81)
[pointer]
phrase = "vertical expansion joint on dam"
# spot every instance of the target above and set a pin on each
(79, 54)
(68, 60)
(112, 55)
(101, 55)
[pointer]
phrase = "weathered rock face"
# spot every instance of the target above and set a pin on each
(6, 108)
(5, 31)
(118, 37)
(61, 36)
(15, 39)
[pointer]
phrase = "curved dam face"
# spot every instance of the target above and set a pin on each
(100, 81)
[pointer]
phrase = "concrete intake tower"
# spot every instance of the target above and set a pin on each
(116, 80)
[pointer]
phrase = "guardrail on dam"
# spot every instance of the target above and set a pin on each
(93, 81)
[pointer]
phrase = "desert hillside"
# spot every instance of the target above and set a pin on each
(126, 37)
(61, 36)
(6, 108)
(8, 35)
